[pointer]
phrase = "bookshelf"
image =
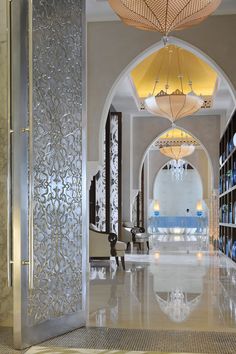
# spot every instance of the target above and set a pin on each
(227, 191)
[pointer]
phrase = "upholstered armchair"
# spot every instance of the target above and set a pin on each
(139, 236)
(126, 235)
(104, 245)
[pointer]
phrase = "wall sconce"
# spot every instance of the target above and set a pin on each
(199, 208)
(156, 208)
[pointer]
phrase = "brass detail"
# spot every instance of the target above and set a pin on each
(25, 263)
(25, 130)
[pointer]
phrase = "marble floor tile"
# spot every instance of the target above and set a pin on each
(160, 291)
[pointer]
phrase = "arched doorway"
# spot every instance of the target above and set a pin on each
(143, 140)
(140, 58)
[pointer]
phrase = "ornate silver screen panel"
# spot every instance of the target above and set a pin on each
(114, 173)
(108, 179)
(48, 168)
(100, 208)
(57, 166)
(135, 211)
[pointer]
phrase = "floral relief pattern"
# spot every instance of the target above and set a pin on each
(135, 211)
(57, 159)
(101, 195)
(114, 173)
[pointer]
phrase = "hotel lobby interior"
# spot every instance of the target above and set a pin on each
(118, 176)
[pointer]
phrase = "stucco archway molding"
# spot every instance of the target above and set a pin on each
(208, 155)
(153, 48)
(159, 170)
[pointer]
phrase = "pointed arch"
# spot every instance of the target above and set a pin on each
(157, 46)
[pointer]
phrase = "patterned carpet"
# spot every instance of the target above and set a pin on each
(6, 342)
(147, 340)
(41, 350)
(121, 341)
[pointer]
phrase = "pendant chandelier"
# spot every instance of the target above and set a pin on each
(177, 104)
(177, 152)
(163, 16)
(178, 169)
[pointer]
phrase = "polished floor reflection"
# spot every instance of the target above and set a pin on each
(177, 291)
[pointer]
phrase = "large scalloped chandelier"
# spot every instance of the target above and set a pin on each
(177, 166)
(176, 144)
(176, 149)
(177, 152)
(176, 104)
(163, 16)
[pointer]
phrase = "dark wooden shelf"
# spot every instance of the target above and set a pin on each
(228, 197)
(228, 191)
(228, 225)
(230, 258)
(228, 157)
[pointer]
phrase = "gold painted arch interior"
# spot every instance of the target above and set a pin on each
(167, 65)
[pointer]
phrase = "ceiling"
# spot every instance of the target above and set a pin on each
(99, 10)
(127, 100)
(166, 65)
(128, 96)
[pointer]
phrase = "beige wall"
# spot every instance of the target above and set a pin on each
(204, 128)
(112, 46)
(198, 160)
(5, 293)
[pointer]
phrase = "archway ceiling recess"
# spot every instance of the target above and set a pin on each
(203, 77)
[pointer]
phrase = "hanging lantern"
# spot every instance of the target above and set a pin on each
(177, 152)
(177, 104)
(173, 106)
(178, 169)
(163, 16)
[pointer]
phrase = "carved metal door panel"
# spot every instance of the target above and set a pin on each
(48, 167)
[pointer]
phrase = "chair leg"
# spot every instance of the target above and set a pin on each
(139, 245)
(148, 245)
(123, 262)
(117, 261)
(128, 246)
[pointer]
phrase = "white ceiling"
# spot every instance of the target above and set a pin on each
(126, 98)
(99, 10)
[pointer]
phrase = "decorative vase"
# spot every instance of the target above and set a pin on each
(234, 251)
(234, 173)
(234, 213)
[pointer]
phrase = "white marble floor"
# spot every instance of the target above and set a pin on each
(161, 291)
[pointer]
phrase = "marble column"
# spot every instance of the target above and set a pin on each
(214, 217)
